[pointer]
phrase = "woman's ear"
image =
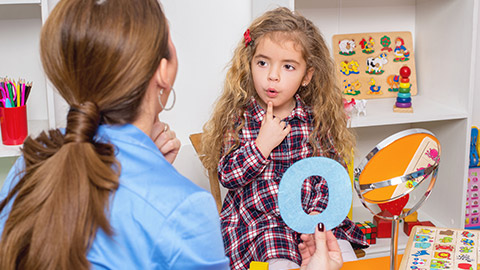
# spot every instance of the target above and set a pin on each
(167, 69)
(161, 74)
(308, 76)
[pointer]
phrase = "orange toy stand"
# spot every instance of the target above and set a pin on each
(369, 264)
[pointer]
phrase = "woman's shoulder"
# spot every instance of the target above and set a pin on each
(159, 187)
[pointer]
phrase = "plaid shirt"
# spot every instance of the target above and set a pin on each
(252, 227)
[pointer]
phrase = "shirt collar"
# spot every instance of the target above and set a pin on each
(128, 133)
(301, 111)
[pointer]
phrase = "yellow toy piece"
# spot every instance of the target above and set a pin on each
(413, 217)
(350, 173)
(374, 89)
(258, 265)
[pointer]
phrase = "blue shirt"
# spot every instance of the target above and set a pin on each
(160, 219)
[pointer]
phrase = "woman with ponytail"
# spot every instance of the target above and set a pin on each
(102, 194)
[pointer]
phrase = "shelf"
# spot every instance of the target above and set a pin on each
(382, 247)
(19, 2)
(34, 128)
(380, 112)
(21, 9)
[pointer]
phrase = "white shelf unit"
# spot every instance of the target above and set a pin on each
(445, 35)
(20, 25)
(20, 2)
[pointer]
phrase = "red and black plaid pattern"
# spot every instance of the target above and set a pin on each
(252, 227)
(370, 231)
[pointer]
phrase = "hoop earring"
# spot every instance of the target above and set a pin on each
(160, 100)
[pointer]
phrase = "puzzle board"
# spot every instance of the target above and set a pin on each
(368, 64)
(472, 211)
(441, 248)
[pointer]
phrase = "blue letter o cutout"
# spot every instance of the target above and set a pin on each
(339, 194)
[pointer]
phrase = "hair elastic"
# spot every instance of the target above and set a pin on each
(248, 38)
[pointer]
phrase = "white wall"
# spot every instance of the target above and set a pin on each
(205, 34)
(476, 94)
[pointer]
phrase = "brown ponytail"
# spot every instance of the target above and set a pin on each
(100, 55)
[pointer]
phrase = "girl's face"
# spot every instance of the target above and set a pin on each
(278, 70)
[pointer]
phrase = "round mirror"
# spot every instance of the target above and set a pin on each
(395, 167)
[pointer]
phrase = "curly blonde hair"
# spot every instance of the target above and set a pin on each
(322, 94)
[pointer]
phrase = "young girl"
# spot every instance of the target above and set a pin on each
(279, 105)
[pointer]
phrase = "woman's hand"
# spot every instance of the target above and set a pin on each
(166, 140)
(320, 251)
(272, 132)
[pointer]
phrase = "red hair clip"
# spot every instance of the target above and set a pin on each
(248, 39)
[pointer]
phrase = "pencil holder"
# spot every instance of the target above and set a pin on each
(14, 125)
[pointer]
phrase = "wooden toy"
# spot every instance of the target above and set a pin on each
(472, 211)
(393, 81)
(408, 226)
(401, 53)
(258, 265)
(474, 159)
(361, 107)
(349, 106)
(410, 218)
(367, 64)
(384, 227)
(385, 41)
(441, 248)
(370, 231)
(404, 98)
(374, 88)
(351, 88)
(427, 223)
(367, 45)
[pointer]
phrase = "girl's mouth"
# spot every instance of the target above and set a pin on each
(271, 93)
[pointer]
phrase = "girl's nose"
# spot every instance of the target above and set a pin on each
(273, 74)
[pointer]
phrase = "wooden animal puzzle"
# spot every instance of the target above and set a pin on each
(441, 248)
(368, 64)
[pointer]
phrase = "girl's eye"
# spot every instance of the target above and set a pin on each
(261, 63)
(289, 67)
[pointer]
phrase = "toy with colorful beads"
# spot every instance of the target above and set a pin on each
(404, 99)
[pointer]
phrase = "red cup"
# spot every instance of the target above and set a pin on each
(13, 122)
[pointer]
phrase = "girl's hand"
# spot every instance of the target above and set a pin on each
(272, 132)
(320, 251)
(166, 140)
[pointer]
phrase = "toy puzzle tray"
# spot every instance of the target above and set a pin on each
(441, 248)
(368, 64)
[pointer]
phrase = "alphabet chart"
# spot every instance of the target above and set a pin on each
(441, 248)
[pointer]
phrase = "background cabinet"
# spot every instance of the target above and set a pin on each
(446, 50)
(445, 38)
(20, 25)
